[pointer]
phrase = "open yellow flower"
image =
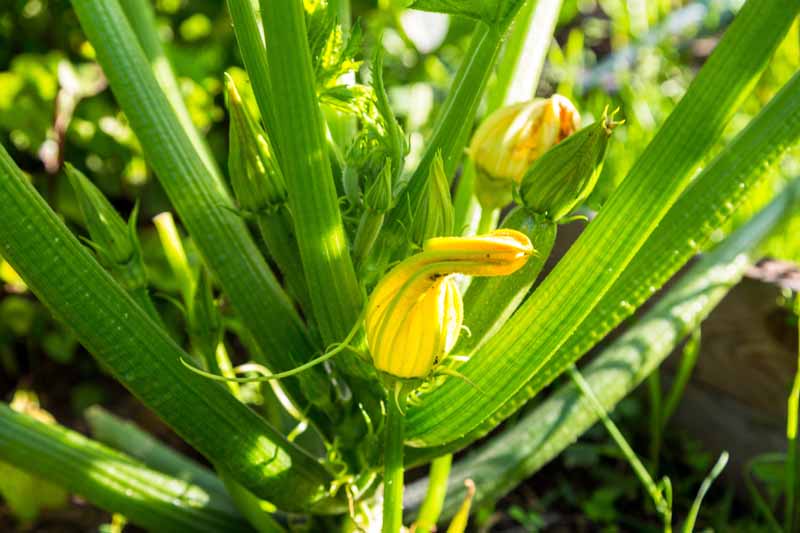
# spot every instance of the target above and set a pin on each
(414, 315)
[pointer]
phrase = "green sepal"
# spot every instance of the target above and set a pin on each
(255, 175)
(434, 217)
(379, 195)
(565, 175)
(114, 240)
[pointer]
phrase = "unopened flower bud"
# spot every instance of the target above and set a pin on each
(379, 194)
(512, 138)
(414, 315)
(113, 239)
(565, 176)
(256, 178)
(435, 216)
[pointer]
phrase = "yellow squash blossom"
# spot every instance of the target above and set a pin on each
(414, 315)
(512, 138)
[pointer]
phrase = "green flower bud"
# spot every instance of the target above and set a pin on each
(434, 216)
(255, 175)
(513, 137)
(563, 177)
(114, 240)
(379, 194)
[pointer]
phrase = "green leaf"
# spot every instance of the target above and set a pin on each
(546, 431)
(141, 355)
(112, 480)
(491, 11)
(523, 347)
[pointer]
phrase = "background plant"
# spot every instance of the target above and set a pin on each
(247, 306)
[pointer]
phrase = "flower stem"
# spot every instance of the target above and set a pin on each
(437, 490)
(487, 221)
(393, 463)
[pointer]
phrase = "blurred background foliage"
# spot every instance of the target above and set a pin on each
(638, 55)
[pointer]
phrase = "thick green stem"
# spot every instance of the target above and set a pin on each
(393, 464)
(431, 507)
(300, 137)
(143, 21)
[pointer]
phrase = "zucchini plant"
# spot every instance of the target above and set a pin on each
(382, 328)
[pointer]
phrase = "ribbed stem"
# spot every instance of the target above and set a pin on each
(393, 464)
(300, 138)
(528, 343)
(143, 21)
(140, 355)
